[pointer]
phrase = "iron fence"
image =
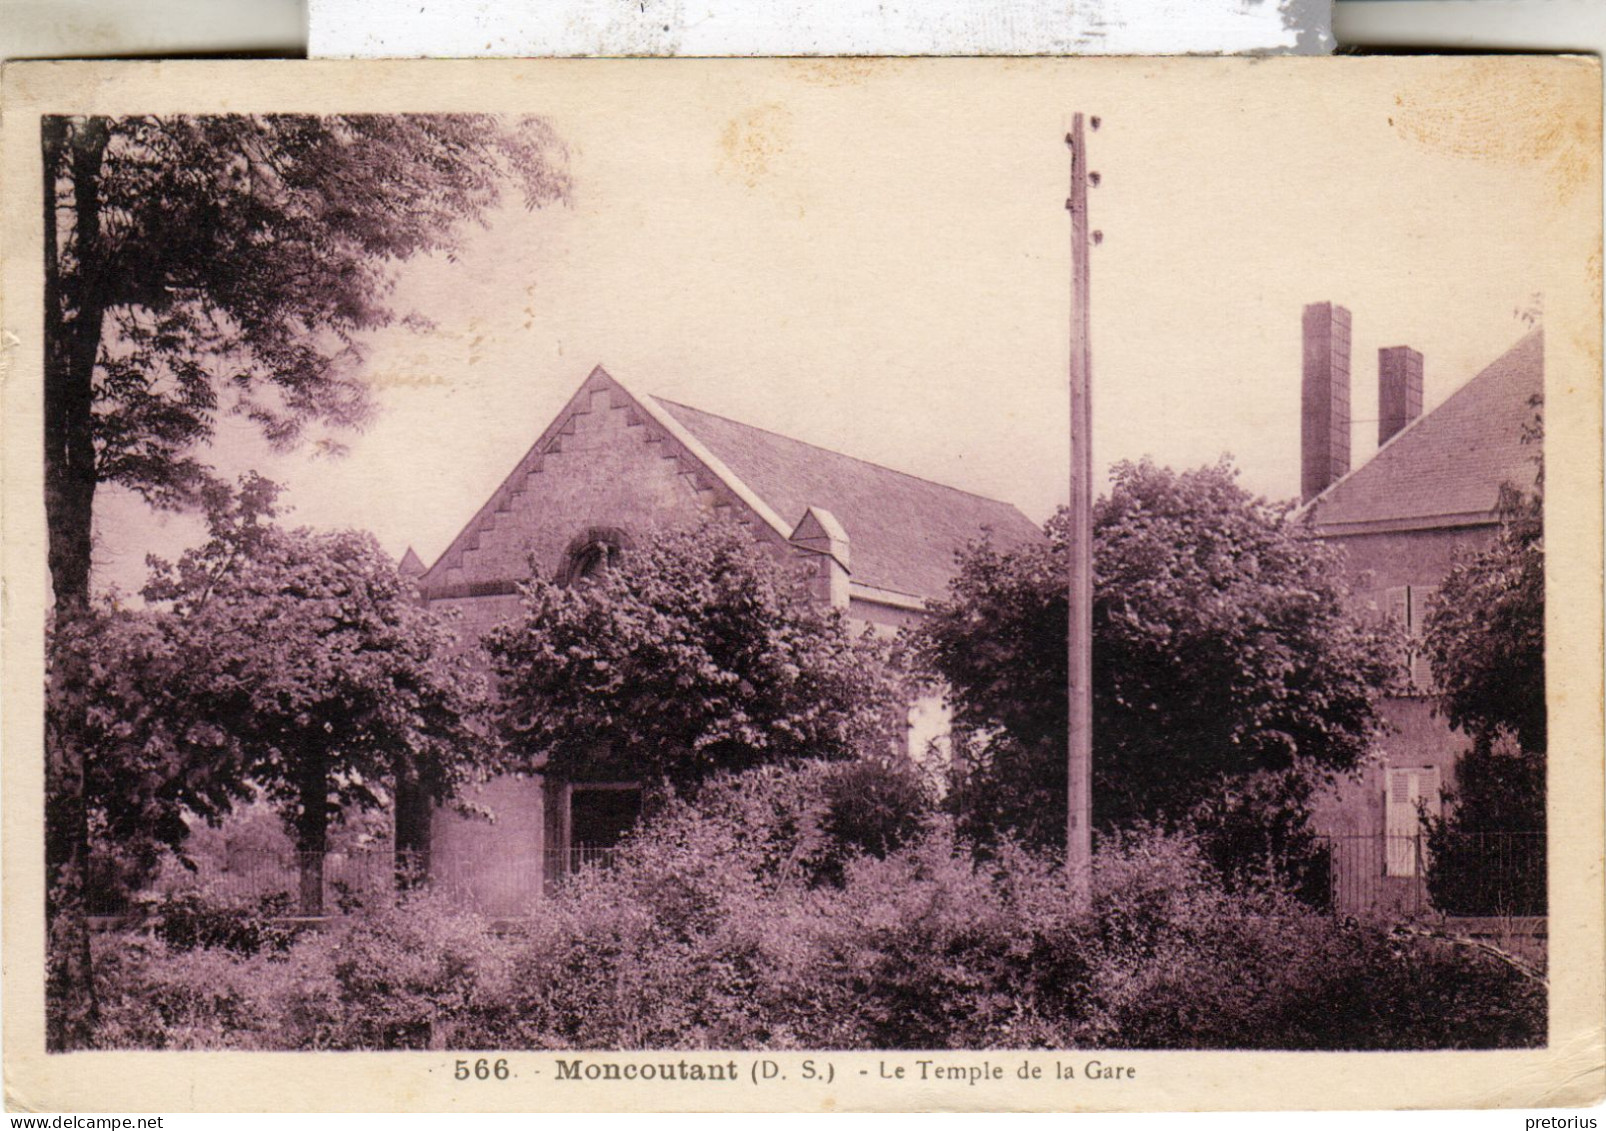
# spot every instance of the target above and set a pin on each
(1468, 874)
(272, 880)
(512, 885)
(1497, 874)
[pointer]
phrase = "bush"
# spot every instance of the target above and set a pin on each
(187, 921)
(737, 920)
(153, 996)
(422, 975)
(1256, 832)
(1486, 855)
(805, 820)
(933, 949)
(722, 926)
(1181, 961)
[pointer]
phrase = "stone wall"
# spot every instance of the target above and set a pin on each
(605, 469)
(1375, 562)
(1418, 738)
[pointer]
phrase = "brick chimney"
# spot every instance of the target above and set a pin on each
(1399, 390)
(1324, 424)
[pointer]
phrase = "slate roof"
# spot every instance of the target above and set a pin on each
(1446, 468)
(903, 531)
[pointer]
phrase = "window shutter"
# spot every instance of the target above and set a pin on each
(1410, 606)
(1421, 671)
(1423, 598)
(1428, 789)
(1397, 604)
(1401, 827)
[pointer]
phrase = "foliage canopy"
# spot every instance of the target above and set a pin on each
(694, 653)
(202, 266)
(283, 662)
(1486, 634)
(317, 661)
(1221, 649)
(197, 267)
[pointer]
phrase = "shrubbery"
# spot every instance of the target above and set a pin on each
(187, 921)
(155, 996)
(422, 975)
(787, 908)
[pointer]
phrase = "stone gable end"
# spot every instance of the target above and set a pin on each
(602, 465)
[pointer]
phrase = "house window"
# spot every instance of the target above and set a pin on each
(1409, 606)
(592, 553)
(1408, 792)
(592, 559)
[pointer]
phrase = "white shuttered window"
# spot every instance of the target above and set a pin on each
(1408, 790)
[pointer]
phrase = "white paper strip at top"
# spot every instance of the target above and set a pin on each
(517, 28)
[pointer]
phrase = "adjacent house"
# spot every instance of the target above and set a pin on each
(1429, 493)
(613, 466)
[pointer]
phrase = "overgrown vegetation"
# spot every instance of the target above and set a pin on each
(741, 920)
(198, 268)
(284, 664)
(799, 883)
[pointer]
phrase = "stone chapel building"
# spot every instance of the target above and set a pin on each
(612, 467)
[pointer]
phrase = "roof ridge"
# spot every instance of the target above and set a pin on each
(904, 566)
(841, 455)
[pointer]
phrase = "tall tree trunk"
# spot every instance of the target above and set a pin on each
(414, 814)
(72, 1008)
(75, 315)
(75, 310)
(312, 831)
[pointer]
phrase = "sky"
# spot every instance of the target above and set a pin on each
(874, 257)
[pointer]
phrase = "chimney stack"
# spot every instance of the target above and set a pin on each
(1399, 390)
(1324, 425)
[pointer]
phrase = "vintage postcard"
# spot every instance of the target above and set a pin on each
(819, 584)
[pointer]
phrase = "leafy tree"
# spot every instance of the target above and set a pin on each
(1486, 853)
(1486, 635)
(204, 265)
(1221, 650)
(692, 655)
(336, 686)
(1486, 641)
(129, 752)
(127, 692)
(196, 266)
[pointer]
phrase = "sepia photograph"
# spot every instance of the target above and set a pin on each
(619, 574)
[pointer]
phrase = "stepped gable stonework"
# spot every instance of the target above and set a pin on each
(614, 461)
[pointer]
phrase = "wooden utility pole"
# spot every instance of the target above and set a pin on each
(1079, 815)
